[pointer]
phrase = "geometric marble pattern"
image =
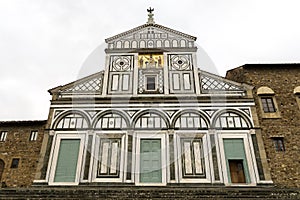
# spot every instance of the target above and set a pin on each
(91, 85)
(211, 83)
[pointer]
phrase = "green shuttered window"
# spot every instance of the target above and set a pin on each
(67, 160)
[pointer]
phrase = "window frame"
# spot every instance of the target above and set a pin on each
(147, 76)
(265, 92)
(279, 144)
(268, 105)
(33, 135)
(15, 163)
(3, 136)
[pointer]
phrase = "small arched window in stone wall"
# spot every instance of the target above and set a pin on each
(150, 121)
(73, 121)
(297, 93)
(190, 121)
(267, 102)
(230, 120)
(111, 121)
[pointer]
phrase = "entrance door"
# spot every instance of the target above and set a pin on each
(237, 174)
(150, 161)
(1, 168)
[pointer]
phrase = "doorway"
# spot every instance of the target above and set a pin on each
(237, 173)
(150, 161)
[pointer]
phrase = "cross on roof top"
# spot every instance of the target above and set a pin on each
(150, 10)
(150, 15)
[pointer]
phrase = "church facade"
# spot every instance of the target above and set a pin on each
(152, 117)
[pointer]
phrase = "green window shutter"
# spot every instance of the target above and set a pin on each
(67, 160)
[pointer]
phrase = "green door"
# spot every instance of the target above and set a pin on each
(67, 160)
(150, 161)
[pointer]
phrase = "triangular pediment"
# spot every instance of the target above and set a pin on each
(151, 36)
(211, 83)
(87, 85)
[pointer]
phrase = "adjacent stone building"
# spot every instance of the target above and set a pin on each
(20, 145)
(277, 98)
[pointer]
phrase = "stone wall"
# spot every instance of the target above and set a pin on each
(282, 79)
(18, 145)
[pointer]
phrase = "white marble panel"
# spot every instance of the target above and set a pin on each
(114, 158)
(104, 158)
(197, 157)
(187, 158)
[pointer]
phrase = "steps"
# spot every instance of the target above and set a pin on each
(153, 193)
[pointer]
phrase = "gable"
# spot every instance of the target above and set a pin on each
(151, 36)
(211, 83)
(87, 85)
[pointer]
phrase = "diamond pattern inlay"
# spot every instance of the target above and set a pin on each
(210, 83)
(92, 85)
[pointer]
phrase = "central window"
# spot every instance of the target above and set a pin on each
(151, 83)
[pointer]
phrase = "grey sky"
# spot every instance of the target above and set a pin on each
(46, 43)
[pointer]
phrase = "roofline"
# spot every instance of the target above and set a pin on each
(146, 25)
(250, 65)
(52, 90)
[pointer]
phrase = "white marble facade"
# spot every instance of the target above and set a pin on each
(152, 117)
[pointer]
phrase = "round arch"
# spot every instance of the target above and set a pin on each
(72, 119)
(190, 119)
(150, 118)
(111, 119)
(231, 119)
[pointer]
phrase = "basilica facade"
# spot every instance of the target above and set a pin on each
(152, 117)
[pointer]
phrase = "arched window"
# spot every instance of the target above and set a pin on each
(119, 44)
(73, 121)
(297, 93)
(174, 43)
(267, 101)
(142, 44)
(158, 44)
(134, 44)
(111, 121)
(150, 120)
(231, 120)
(182, 43)
(167, 43)
(190, 121)
(126, 44)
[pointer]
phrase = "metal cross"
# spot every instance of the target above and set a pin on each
(150, 10)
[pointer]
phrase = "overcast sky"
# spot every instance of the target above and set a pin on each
(47, 43)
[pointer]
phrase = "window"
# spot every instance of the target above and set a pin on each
(33, 135)
(268, 104)
(278, 143)
(109, 158)
(297, 94)
(150, 83)
(15, 163)
(3, 135)
(192, 158)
